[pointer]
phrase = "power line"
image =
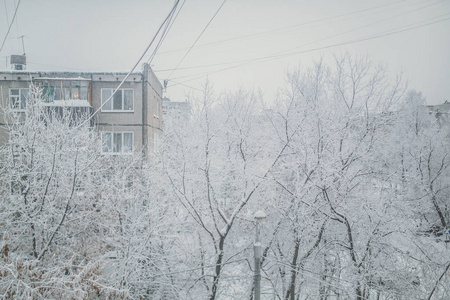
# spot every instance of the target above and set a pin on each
(194, 88)
(375, 36)
(134, 67)
(78, 69)
(17, 21)
(286, 27)
(160, 41)
(176, 16)
(273, 57)
(10, 25)
(366, 25)
(305, 44)
(268, 58)
(7, 22)
(6, 12)
(169, 25)
(200, 66)
(204, 29)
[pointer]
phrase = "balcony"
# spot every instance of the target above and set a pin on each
(67, 94)
(71, 92)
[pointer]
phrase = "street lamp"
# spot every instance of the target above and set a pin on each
(260, 215)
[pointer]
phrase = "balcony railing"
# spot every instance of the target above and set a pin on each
(57, 91)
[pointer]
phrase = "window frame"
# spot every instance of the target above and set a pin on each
(112, 143)
(111, 101)
(19, 99)
(64, 89)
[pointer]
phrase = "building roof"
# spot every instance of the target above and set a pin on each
(53, 73)
(443, 108)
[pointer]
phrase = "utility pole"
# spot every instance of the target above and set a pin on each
(260, 215)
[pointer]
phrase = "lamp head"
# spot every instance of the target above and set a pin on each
(260, 215)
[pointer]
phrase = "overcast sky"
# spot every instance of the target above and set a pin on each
(111, 35)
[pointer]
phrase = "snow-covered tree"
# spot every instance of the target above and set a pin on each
(75, 223)
(341, 227)
(351, 168)
(215, 164)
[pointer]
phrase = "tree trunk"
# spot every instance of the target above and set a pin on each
(218, 269)
(290, 294)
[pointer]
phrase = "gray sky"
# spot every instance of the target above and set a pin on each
(110, 35)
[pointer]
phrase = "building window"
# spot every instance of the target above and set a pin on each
(117, 142)
(121, 101)
(18, 98)
(56, 89)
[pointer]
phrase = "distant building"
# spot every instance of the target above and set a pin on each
(442, 112)
(171, 107)
(131, 121)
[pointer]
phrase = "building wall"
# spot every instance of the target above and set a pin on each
(145, 121)
(153, 119)
(8, 81)
(137, 133)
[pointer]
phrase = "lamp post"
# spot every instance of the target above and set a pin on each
(260, 215)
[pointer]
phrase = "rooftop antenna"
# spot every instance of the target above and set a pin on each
(23, 44)
(19, 62)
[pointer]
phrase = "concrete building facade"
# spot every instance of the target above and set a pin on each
(129, 119)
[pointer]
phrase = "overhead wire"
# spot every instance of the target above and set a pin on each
(269, 58)
(284, 51)
(17, 21)
(135, 65)
(176, 16)
(164, 33)
(284, 28)
(273, 57)
(394, 31)
(196, 40)
(374, 36)
(160, 41)
(305, 44)
(166, 29)
(195, 67)
(7, 22)
(10, 25)
(194, 88)
(6, 12)
(366, 25)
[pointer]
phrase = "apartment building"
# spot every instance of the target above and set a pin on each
(131, 121)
